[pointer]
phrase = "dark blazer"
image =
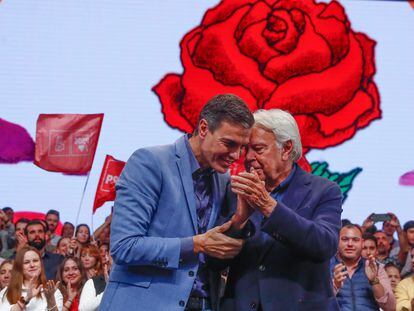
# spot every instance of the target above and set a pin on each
(285, 265)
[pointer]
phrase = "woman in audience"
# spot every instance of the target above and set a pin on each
(5, 273)
(72, 276)
(83, 234)
(393, 274)
(62, 246)
(28, 288)
(91, 261)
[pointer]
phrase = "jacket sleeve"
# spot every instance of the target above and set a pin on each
(316, 238)
(137, 195)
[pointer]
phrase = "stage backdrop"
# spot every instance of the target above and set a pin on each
(344, 69)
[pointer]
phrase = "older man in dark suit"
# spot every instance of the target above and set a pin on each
(285, 265)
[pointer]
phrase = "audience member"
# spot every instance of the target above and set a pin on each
(369, 246)
(91, 260)
(83, 234)
(72, 276)
(28, 288)
(36, 237)
(102, 234)
(404, 292)
(5, 273)
(52, 219)
(409, 234)
(62, 247)
(359, 284)
(385, 255)
(393, 274)
(19, 238)
(68, 230)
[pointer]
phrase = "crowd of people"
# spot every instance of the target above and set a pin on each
(42, 270)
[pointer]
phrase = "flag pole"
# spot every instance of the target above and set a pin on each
(81, 201)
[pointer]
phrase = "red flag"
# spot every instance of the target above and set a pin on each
(67, 142)
(105, 191)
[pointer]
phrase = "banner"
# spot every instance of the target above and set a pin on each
(105, 191)
(67, 142)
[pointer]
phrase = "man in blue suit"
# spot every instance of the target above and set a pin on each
(168, 199)
(285, 265)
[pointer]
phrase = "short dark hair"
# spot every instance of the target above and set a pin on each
(408, 225)
(69, 223)
(7, 208)
(391, 265)
(53, 212)
(35, 222)
(369, 236)
(22, 220)
(225, 107)
(345, 222)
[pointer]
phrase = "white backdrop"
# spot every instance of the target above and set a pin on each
(91, 57)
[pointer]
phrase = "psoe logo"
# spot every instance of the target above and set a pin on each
(81, 142)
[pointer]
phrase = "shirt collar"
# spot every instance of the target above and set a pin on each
(196, 170)
(285, 183)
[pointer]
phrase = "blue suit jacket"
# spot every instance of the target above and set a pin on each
(154, 209)
(285, 266)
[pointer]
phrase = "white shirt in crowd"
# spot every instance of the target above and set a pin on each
(35, 304)
(89, 301)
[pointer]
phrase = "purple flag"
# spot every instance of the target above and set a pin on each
(15, 143)
(407, 179)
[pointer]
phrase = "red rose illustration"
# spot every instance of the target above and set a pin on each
(299, 56)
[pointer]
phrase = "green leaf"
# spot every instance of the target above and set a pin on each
(344, 180)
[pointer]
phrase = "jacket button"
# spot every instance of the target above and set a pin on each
(191, 273)
(253, 305)
(181, 303)
(262, 268)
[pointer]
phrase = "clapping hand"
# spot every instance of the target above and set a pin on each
(340, 275)
(371, 268)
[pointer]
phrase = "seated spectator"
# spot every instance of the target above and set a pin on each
(357, 281)
(5, 273)
(91, 261)
(404, 292)
(393, 274)
(72, 277)
(68, 230)
(409, 234)
(52, 219)
(36, 237)
(28, 288)
(385, 255)
(19, 239)
(369, 246)
(62, 247)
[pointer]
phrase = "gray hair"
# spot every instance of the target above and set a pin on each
(284, 126)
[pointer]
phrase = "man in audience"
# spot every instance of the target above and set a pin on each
(52, 220)
(360, 284)
(406, 251)
(19, 239)
(389, 228)
(393, 274)
(36, 237)
(404, 292)
(385, 255)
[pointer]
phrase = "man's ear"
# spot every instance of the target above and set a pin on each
(203, 128)
(287, 150)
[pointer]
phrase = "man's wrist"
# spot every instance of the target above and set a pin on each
(198, 241)
(375, 281)
(268, 210)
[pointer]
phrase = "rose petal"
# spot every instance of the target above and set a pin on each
(367, 46)
(312, 54)
(15, 143)
(218, 52)
(288, 43)
(375, 112)
(334, 9)
(200, 85)
(324, 92)
(223, 10)
(307, 6)
(257, 13)
(170, 93)
(254, 45)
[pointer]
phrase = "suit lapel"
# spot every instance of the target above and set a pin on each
(217, 195)
(183, 164)
(296, 193)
